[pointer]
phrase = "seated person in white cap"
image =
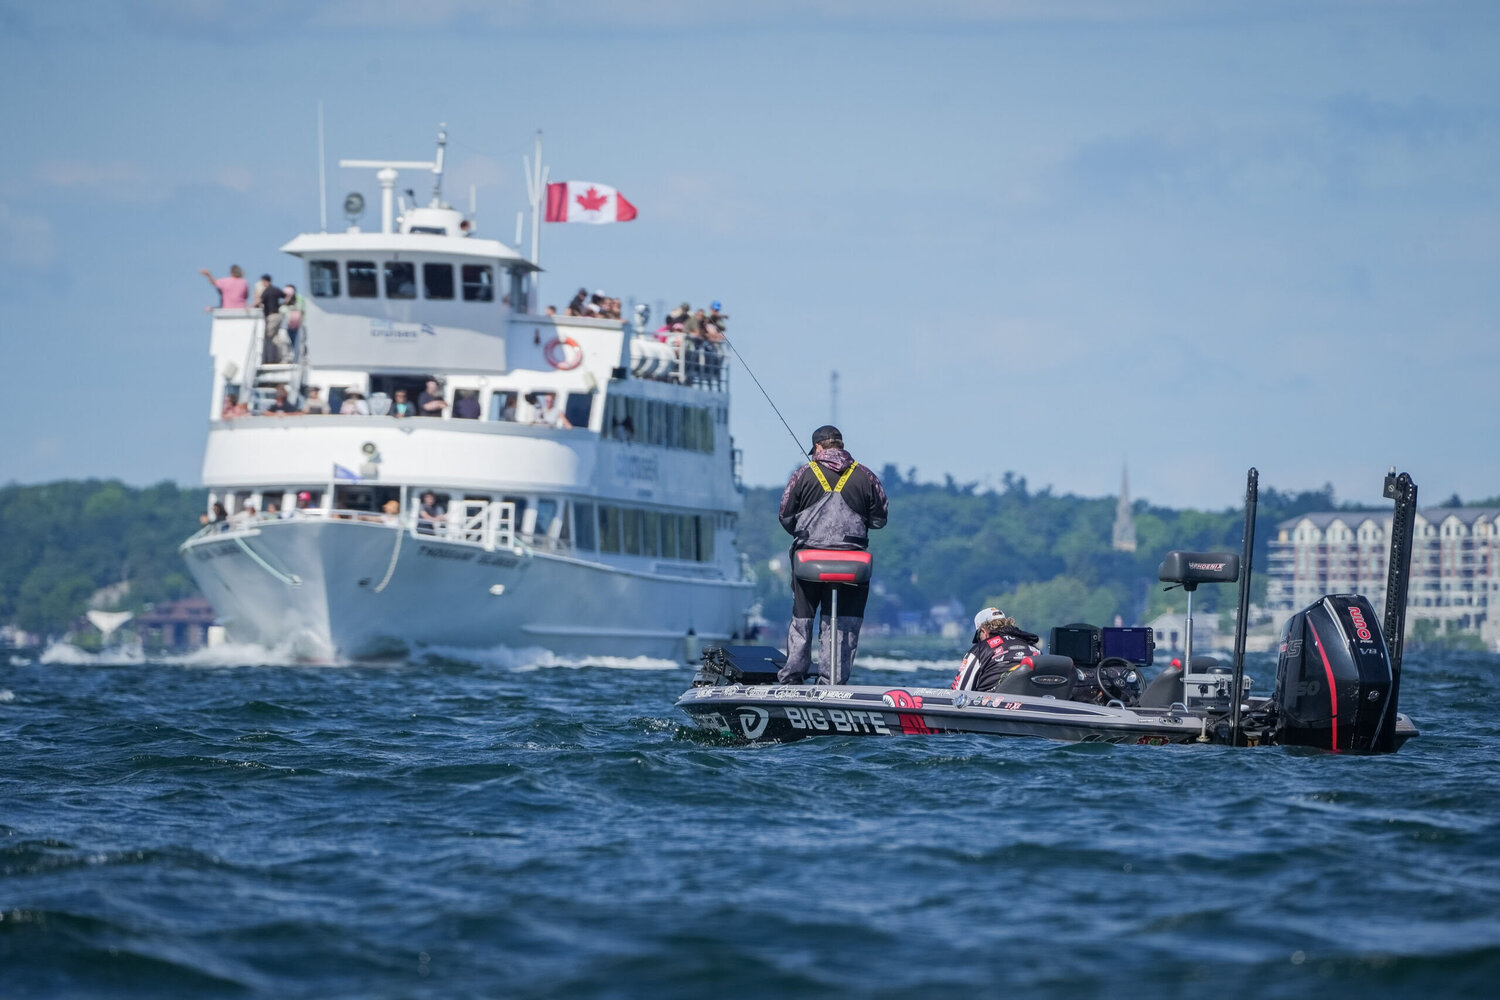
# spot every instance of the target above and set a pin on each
(999, 647)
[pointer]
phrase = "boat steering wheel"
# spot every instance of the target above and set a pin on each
(1119, 679)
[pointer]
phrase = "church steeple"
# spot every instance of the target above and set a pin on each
(1124, 540)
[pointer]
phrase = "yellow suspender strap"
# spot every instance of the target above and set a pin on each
(823, 480)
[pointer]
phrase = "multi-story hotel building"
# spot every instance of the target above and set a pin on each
(1455, 565)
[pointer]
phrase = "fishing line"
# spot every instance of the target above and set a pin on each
(795, 440)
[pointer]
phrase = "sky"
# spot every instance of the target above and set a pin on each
(1052, 238)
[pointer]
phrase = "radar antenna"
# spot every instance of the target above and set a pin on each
(386, 174)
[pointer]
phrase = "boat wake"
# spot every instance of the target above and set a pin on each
(228, 654)
(527, 658)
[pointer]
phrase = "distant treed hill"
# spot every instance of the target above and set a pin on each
(61, 542)
(1046, 558)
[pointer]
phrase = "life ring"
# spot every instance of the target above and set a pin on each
(563, 353)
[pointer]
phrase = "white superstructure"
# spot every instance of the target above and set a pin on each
(612, 536)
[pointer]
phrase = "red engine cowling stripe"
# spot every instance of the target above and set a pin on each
(1333, 691)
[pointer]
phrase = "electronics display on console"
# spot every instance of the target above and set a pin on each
(1136, 645)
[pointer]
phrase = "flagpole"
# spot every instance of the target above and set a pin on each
(538, 193)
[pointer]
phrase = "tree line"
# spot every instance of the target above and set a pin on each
(1044, 557)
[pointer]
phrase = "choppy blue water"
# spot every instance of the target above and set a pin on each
(481, 829)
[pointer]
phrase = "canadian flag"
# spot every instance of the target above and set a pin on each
(582, 201)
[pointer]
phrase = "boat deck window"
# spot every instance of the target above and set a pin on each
(400, 279)
(323, 276)
(362, 279)
(583, 530)
(580, 408)
(479, 283)
(503, 406)
(437, 281)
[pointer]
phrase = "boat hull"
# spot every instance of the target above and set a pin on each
(791, 712)
(349, 589)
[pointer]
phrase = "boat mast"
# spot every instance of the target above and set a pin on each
(437, 166)
(536, 187)
(322, 176)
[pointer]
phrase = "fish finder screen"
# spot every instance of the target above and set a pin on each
(1137, 645)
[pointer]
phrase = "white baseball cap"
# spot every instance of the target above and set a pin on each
(986, 616)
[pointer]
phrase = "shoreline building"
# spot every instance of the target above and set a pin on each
(1455, 565)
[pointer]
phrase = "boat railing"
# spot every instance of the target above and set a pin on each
(680, 358)
(489, 525)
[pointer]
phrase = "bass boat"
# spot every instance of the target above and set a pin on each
(1338, 676)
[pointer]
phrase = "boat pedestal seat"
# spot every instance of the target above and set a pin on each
(1165, 690)
(847, 566)
(1048, 676)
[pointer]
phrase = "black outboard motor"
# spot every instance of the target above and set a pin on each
(1334, 679)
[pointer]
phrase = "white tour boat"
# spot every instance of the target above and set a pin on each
(609, 532)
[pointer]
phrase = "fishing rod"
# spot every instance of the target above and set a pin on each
(801, 453)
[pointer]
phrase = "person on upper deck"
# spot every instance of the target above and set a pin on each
(465, 404)
(401, 406)
(832, 502)
(354, 404)
(431, 403)
(234, 291)
(548, 413)
(315, 401)
(282, 405)
(999, 647)
(268, 300)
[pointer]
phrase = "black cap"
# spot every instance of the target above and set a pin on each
(825, 434)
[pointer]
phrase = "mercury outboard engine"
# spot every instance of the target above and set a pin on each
(1334, 680)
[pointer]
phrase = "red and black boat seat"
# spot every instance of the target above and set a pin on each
(831, 565)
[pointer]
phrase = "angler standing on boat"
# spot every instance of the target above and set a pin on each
(832, 502)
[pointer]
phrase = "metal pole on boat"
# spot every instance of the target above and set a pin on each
(833, 637)
(1247, 555)
(1398, 574)
(322, 176)
(534, 182)
(1187, 637)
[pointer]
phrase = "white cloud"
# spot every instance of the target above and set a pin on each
(234, 176)
(113, 180)
(26, 240)
(480, 171)
(128, 183)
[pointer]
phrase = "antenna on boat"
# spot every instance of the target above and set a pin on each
(536, 188)
(437, 166)
(322, 175)
(1247, 556)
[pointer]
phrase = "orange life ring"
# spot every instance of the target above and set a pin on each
(563, 353)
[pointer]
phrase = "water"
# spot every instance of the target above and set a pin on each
(507, 826)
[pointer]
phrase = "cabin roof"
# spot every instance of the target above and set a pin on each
(406, 243)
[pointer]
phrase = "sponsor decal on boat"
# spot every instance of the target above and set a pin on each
(753, 721)
(911, 723)
(836, 720)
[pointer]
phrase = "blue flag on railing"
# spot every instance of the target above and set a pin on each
(339, 472)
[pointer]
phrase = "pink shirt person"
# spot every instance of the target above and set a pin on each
(234, 289)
